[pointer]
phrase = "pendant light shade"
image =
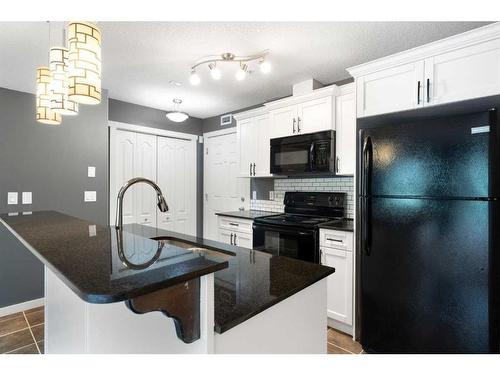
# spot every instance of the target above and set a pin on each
(84, 62)
(59, 101)
(176, 115)
(44, 113)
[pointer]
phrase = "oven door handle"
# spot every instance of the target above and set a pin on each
(280, 229)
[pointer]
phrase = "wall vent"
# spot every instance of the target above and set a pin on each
(226, 120)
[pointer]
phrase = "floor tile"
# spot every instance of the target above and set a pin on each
(13, 324)
(35, 316)
(7, 317)
(39, 308)
(15, 340)
(344, 341)
(332, 349)
(29, 349)
(41, 346)
(38, 332)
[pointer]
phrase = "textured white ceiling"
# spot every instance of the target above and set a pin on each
(141, 58)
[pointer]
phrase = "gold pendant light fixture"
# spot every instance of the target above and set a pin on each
(73, 76)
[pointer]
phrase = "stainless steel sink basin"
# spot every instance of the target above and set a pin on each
(193, 247)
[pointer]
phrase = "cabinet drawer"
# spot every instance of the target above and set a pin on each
(235, 224)
(336, 239)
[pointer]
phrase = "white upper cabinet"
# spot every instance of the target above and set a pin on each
(346, 131)
(461, 67)
(315, 115)
(284, 121)
(466, 73)
(253, 140)
(390, 90)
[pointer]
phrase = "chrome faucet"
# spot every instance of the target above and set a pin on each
(162, 204)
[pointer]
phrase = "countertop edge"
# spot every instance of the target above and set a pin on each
(220, 329)
(242, 216)
(96, 298)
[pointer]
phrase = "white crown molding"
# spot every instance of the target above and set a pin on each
(251, 113)
(152, 131)
(474, 36)
(315, 94)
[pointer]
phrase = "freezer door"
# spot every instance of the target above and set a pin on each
(444, 157)
(424, 280)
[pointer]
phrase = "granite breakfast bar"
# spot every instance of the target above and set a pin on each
(147, 290)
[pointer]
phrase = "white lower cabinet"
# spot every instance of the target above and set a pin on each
(235, 231)
(338, 254)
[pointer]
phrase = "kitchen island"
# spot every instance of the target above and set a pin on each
(147, 290)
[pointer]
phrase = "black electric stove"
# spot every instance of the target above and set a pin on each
(295, 233)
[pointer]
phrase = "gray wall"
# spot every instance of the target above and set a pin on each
(154, 118)
(51, 162)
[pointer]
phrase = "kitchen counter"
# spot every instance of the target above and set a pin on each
(86, 258)
(346, 225)
(248, 214)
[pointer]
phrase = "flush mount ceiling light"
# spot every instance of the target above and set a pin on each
(228, 57)
(176, 115)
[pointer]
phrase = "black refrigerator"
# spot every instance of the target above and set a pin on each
(428, 227)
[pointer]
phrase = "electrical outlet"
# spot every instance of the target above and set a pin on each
(90, 196)
(27, 197)
(92, 230)
(12, 197)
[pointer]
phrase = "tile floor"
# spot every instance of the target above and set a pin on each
(22, 333)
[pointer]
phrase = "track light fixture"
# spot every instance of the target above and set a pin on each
(228, 57)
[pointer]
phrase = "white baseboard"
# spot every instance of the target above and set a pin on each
(340, 326)
(12, 309)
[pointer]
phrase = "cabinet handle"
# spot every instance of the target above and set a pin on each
(298, 124)
(235, 240)
(338, 162)
(333, 239)
(250, 169)
(428, 90)
(293, 125)
(231, 238)
(418, 92)
(254, 169)
(234, 224)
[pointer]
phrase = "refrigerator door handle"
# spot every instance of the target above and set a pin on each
(366, 199)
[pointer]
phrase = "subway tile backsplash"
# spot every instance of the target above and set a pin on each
(330, 184)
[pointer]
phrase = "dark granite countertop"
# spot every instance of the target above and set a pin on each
(347, 225)
(85, 257)
(248, 214)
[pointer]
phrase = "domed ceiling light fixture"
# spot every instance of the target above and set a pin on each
(228, 57)
(176, 115)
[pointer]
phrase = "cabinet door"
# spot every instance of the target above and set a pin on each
(315, 115)
(283, 121)
(225, 236)
(146, 167)
(247, 143)
(346, 134)
(339, 284)
(263, 148)
(243, 239)
(390, 90)
(467, 73)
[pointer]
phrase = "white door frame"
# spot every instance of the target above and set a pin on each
(212, 134)
(115, 126)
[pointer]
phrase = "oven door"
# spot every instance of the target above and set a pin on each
(286, 241)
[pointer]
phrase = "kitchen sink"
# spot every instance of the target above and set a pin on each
(191, 246)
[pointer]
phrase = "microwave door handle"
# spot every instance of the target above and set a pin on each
(311, 156)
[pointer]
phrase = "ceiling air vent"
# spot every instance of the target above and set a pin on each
(226, 120)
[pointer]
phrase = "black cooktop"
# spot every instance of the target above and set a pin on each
(294, 220)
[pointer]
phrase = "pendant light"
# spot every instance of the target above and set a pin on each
(59, 102)
(44, 113)
(84, 61)
(176, 115)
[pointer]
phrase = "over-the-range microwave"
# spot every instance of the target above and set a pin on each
(303, 154)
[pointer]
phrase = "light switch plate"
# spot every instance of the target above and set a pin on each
(89, 196)
(91, 171)
(27, 197)
(12, 197)
(92, 230)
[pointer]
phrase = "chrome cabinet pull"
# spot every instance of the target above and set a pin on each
(428, 90)
(234, 224)
(250, 169)
(418, 92)
(231, 238)
(333, 239)
(235, 240)
(293, 125)
(338, 163)
(298, 124)
(254, 169)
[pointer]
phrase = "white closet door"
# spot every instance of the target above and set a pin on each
(123, 167)
(177, 179)
(146, 167)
